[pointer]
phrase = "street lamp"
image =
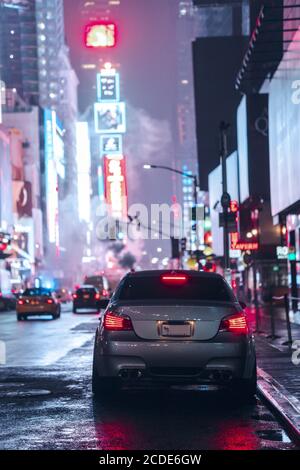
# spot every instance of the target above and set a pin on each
(148, 166)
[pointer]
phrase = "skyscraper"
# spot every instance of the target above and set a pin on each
(18, 49)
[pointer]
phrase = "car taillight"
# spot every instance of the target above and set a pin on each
(50, 301)
(21, 302)
(113, 322)
(105, 293)
(235, 324)
(75, 296)
(174, 279)
(97, 296)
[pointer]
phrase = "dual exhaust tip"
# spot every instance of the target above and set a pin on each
(223, 376)
(131, 374)
(220, 376)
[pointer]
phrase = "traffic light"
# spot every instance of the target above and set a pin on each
(183, 244)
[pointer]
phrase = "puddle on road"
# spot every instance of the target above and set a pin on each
(21, 391)
(273, 435)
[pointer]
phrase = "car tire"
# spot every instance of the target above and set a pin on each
(20, 318)
(103, 387)
(247, 388)
(74, 310)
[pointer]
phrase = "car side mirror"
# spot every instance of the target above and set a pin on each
(243, 305)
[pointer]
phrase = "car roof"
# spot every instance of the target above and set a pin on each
(157, 273)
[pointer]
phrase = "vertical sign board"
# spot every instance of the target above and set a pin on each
(116, 186)
(108, 86)
(51, 177)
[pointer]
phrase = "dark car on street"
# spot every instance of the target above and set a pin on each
(86, 298)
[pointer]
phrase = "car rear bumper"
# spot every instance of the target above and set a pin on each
(89, 304)
(37, 310)
(176, 361)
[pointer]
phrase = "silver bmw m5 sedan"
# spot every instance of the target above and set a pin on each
(174, 327)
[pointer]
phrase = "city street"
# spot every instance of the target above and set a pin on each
(47, 403)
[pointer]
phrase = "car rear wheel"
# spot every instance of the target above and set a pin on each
(246, 388)
(74, 310)
(21, 318)
(103, 387)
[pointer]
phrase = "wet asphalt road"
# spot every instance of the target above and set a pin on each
(46, 400)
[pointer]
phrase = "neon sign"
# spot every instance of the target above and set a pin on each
(101, 35)
(116, 186)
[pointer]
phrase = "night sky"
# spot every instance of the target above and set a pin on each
(146, 51)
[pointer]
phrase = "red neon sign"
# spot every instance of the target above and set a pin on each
(101, 35)
(237, 244)
(116, 186)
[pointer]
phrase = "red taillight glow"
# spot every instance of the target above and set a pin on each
(50, 301)
(235, 324)
(97, 296)
(101, 35)
(105, 293)
(21, 302)
(75, 296)
(174, 279)
(113, 322)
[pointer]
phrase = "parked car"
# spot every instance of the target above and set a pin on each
(166, 328)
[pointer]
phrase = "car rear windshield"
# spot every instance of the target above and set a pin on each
(88, 290)
(35, 292)
(195, 289)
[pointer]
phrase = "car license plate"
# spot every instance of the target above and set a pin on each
(86, 296)
(182, 330)
(34, 302)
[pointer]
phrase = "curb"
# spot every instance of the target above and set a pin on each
(283, 403)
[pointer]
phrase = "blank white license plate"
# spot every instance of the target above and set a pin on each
(176, 330)
(86, 297)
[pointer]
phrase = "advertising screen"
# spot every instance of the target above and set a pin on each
(284, 141)
(242, 137)
(108, 86)
(111, 144)
(110, 118)
(51, 176)
(115, 186)
(101, 35)
(83, 171)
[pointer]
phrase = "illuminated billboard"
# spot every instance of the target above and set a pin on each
(108, 86)
(284, 122)
(111, 144)
(116, 186)
(110, 118)
(83, 171)
(51, 174)
(101, 35)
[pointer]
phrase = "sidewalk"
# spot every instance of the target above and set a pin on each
(278, 376)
